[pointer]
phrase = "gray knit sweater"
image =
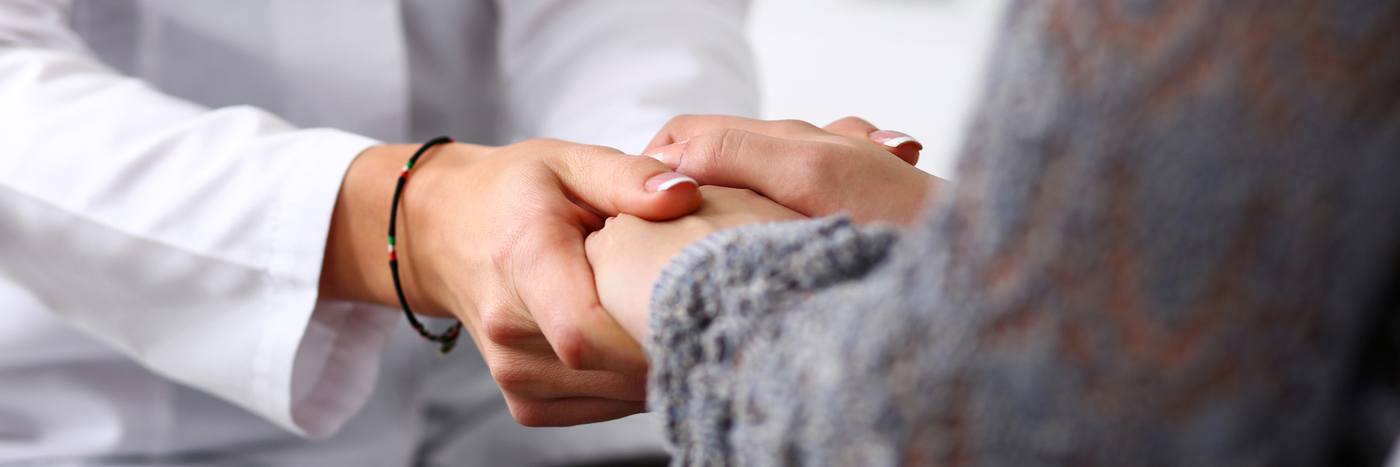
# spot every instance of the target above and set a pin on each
(1173, 241)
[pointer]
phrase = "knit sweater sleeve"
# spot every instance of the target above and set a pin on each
(725, 299)
(1172, 241)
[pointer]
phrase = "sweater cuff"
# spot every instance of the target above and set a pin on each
(717, 293)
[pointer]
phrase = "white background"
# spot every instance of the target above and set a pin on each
(907, 65)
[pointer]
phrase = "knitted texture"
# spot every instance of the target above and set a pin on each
(1172, 241)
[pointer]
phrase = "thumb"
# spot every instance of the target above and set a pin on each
(612, 183)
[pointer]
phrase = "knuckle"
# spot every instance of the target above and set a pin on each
(503, 327)
(570, 346)
(578, 345)
(501, 333)
(715, 149)
(852, 121)
(513, 378)
(794, 126)
(530, 414)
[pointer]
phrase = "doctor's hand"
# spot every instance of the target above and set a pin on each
(494, 236)
(629, 252)
(847, 166)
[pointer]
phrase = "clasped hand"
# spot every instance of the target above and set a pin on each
(753, 172)
(495, 237)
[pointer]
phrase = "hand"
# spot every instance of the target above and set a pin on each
(846, 166)
(629, 252)
(494, 236)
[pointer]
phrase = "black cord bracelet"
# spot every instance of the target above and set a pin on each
(448, 338)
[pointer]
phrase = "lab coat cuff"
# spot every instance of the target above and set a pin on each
(299, 342)
(337, 364)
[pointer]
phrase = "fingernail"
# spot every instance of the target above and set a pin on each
(660, 156)
(669, 154)
(667, 180)
(894, 139)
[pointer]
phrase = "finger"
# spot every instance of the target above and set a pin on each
(556, 284)
(684, 127)
(851, 127)
(542, 376)
(612, 183)
(569, 412)
(789, 171)
(901, 145)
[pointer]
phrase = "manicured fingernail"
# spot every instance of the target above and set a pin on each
(667, 180)
(894, 139)
(669, 154)
(660, 156)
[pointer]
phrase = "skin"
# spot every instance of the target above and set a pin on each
(494, 237)
(814, 171)
(767, 158)
(625, 273)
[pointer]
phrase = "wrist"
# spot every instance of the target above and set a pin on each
(356, 261)
(425, 243)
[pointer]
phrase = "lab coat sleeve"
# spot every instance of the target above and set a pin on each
(188, 238)
(613, 72)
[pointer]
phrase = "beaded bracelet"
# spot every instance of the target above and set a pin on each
(447, 339)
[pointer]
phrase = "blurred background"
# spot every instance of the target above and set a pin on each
(919, 74)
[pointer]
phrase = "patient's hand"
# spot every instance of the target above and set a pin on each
(843, 167)
(628, 253)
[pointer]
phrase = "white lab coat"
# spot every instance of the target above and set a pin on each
(167, 175)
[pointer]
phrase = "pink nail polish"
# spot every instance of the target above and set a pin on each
(894, 139)
(668, 180)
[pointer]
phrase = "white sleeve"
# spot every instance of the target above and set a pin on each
(189, 238)
(612, 72)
